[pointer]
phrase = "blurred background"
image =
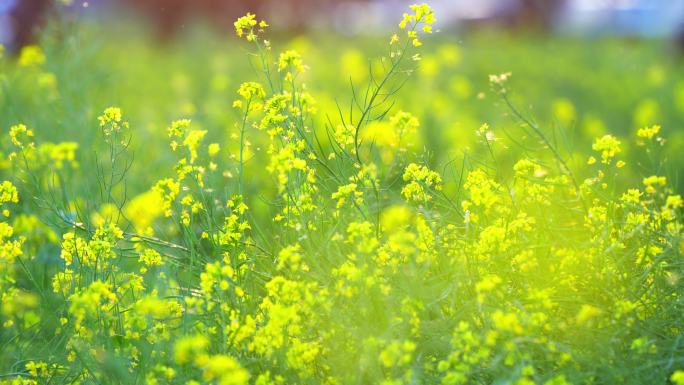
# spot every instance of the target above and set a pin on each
(21, 19)
(581, 68)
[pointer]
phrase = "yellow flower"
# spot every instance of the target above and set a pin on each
(150, 258)
(648, 132)
(632, 196)
(397, 353)
(674, 202)
(110, 114)
(143, 210)
(290, 60)
(21, 136)
(652, 181)
(677, 377)
(507, 322)
(190, 347)
(111, 121)
(31, 55)
(608, 146)
(244, 26)
(192, 141)
(225, 369)
(347, 191)
(37, 368)
(420, 179)
(423, 16)
(587, 313)
(213, 149)
(8, 193)
(252, 93)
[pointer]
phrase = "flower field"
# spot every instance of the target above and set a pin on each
(399, 209)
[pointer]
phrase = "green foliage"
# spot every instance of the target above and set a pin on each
(274, 232)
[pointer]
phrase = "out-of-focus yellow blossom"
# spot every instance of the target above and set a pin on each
(507, 322)
(31, 55)
(61, 153)
(499, 79)
(21, 136)
(395, 218)
(654, 181)
(190, 348)
(353, 65)
(648, 132)
(608, 146)
(223, 369)
(397, 353)
(142, 210)
(290, 257)
(213, 149)
(587, 313)
(677, 377)
(290, 60)
(88, 303)
(168, 189)
(564, 111)
(192, 141)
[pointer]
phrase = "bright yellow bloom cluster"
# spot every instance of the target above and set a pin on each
(423, 16)
(150, 258)
(420, 181)
(87, 304)
(648, 132)
(111, 121)
(21, 136)
(252, 93)
(61, 153)
(189, 347)
(247, 26)
(31, 55)
(290, 60)
(677, 377)
(654, 181)
(8, 193)
(142, 210)
(345, 192)
(223, 369)
(608, 146)
(15, 305)
(53, 155)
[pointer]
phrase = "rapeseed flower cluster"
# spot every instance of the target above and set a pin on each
(248, 27)
(421, 19)
(419, 181)
(337, 255)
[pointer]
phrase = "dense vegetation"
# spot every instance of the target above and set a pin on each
(233, 213)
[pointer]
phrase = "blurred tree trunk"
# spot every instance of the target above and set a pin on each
(538, 14)
(26, 18)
